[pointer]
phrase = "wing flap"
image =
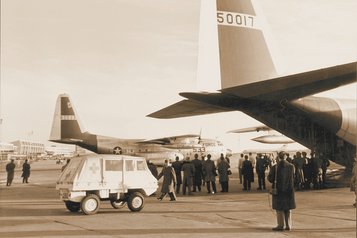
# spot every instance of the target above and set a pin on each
(187, 108)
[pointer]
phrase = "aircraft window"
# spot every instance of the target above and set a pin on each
(129, 165)
(113, 165)
(140, 165)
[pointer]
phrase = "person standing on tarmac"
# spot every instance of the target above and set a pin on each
(282, 177)
(197, 180)
(177, 165)
(25, 172)
(240, 164)
(152, 168)
(209, 172)
(261, 166)
(188, 173)
(10, 169)
(248, 175)
(222, 168)
(324, 164)
(168, 185)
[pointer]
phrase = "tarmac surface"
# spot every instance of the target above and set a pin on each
(34, 210)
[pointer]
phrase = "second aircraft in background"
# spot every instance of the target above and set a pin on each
(66, 129)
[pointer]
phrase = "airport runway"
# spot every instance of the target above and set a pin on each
(34, 210)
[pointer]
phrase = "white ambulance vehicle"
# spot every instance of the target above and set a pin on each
(88, 180)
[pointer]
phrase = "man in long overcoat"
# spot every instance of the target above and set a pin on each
(25, 171)
(153, 169)
(188, 173)
(298, 162)
(197, 180)
(261, 166)
(284, 200)
(209, 173)
(10, 169)
(222, 169)
(247, 171)
(177, 165)
(168, 184)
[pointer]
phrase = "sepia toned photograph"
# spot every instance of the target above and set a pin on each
(176, 118)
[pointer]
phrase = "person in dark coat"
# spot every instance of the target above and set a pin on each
(168, 184)
(188, 173)
(316, 162)
(240, 164)
(222, 168)
(324, 164)
(261, 166)
(197, 180)
(10, 169)
(284, 200)
(247, 171)
(153, 169)
(25, 172)
(298, 162)
(177, 165)
(209, 173)
(307, 170)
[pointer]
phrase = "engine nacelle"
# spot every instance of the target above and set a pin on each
(339, 116)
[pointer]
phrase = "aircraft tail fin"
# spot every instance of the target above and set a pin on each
(246, 49)
(65, 126)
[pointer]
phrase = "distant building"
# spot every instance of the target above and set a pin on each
(29, 148)
(5, 150)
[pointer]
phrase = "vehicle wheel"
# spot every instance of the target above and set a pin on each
(117, 204)
(136, 202)
(90, 204)
(72, 206)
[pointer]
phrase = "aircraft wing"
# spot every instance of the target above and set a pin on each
(297, 85)
(186, 108)
(278, 89)
(168, 140)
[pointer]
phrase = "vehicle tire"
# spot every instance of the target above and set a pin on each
(118, 204)
(136, 202)
(90, 204)
(72, 206)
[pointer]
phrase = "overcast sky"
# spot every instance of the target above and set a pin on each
(120, 60)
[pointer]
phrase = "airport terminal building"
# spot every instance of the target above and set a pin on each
(29, 148)
(6, 149)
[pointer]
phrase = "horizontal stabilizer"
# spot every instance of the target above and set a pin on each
(187, 108)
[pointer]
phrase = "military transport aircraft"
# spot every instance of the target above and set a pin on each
(273, 137)
(250, 83)
(66, 129)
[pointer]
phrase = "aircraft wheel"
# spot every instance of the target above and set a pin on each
(117, 204)
(136, 202)
(90, 204)
(72, 206)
